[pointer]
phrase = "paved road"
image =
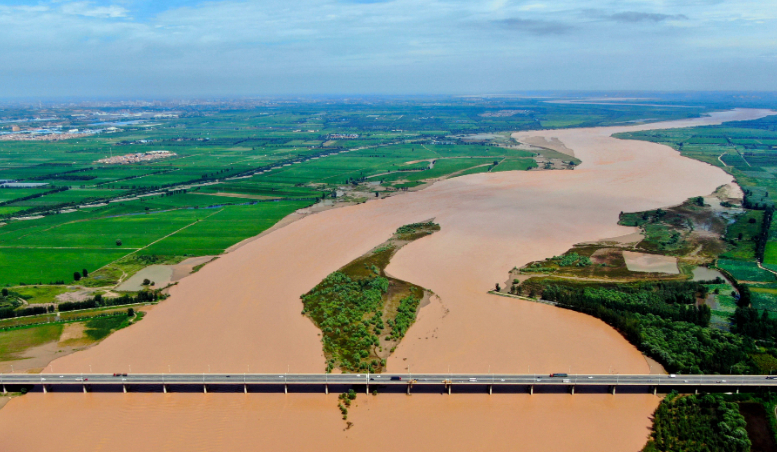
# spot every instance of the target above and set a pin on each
(389, 379)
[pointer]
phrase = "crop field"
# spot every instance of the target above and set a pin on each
(228, 162)
(57, 249)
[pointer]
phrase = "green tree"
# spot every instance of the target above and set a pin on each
(84, 273)
(76, 276)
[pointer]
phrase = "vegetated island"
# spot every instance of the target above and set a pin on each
(362, 312)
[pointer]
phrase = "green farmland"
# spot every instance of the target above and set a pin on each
(233, 173)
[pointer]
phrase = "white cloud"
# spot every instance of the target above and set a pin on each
(399, 45)
(88, 9)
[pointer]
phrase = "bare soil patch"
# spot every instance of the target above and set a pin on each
(549, 143)
(650, 263)
(160, 275)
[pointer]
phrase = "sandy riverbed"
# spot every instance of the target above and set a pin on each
(244, 310)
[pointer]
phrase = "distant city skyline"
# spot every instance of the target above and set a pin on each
(141, 48)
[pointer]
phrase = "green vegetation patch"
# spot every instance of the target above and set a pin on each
(764, 299)
(742, 235)
(48, 265)
(361, 311)
(745, 271)
(698, 423)
(101, 327)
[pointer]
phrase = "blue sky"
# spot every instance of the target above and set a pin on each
(146, 48)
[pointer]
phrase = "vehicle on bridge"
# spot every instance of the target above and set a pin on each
(561, 375)
(396, 378)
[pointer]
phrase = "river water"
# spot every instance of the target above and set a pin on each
(242, 313)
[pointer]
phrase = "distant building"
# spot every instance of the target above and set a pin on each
(136, 158)
(343, 136)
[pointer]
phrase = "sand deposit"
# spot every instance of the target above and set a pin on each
(244, 310)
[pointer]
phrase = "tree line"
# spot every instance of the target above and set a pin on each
(98, 301)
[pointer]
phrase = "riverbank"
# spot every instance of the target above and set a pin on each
(243, 312)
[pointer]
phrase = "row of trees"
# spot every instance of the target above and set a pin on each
(763, 235)
(9, 313)
(98, 300)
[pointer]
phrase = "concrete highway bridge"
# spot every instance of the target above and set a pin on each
(421, 382)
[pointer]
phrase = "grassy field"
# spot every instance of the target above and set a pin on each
(39, 294)
(764, 298)
(13, 343)
(745, 271)
(522, 164)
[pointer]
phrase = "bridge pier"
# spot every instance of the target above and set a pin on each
(124, 388)
(531, 389)
(655, 390)
(696, 391)
(85, 391)
(285, 388)
(737, 390)
(326, 389)
(164, 389)
(449, 388)
(44, 389)
(4, 391)
(205, 389)
(612, 389)
(408, 388)
(572, 389)
(490, 389)
(245, 389)
(368, 389)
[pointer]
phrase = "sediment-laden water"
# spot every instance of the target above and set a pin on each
(243, 313)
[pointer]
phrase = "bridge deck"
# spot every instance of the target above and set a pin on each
(693, 381)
